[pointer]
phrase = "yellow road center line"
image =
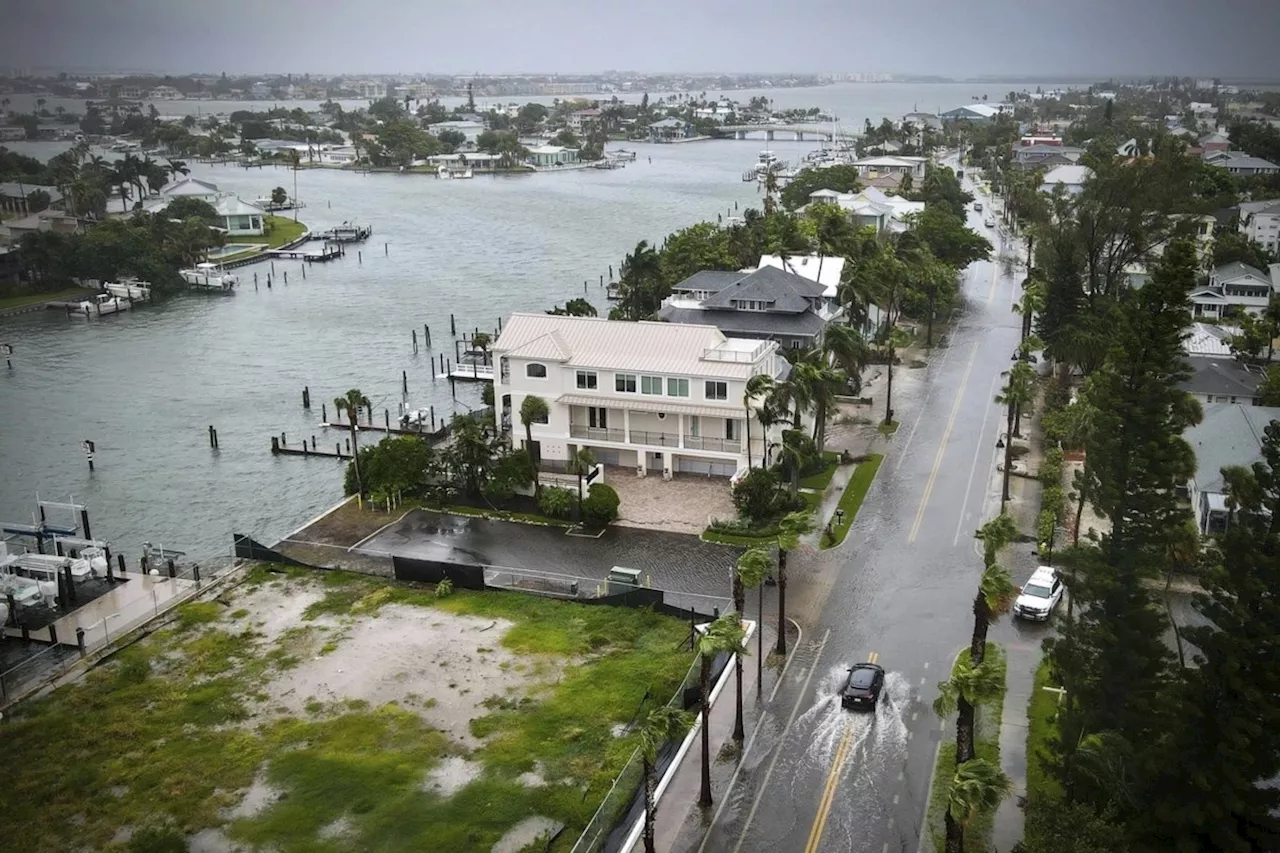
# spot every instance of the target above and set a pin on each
(828, 794)
(942, 447)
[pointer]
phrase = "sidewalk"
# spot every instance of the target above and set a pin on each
(680, 822)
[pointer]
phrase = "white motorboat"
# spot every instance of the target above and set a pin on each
(456, 172)
(99, 306)
(210, 277)
(768, 162)
(129, 288)
(92, 562)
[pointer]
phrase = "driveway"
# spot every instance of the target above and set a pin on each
(673, 561)
(684, 504)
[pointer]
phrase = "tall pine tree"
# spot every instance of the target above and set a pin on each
(1112, 658)
(1204, 793)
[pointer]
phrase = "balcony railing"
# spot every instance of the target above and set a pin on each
(659, 439)
(719, 445)
(596, 433)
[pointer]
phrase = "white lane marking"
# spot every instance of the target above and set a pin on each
(768, 774)
(896, 797)
(901, 775)
(891, 823)
(973, 467)
(914, 715)
(922, 681)
(926, 664)
(782, 675)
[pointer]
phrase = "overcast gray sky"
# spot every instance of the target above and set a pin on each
(955, 38)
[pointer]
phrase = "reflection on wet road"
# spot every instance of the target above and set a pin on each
(836, 780)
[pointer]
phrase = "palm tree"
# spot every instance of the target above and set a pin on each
(177, 167)
(757, 386)
(796, 449)
(661, 726)
(1017, 391)
(895, 339)
(824, 382)
(749, 573)
(582, 463)
(996, 593)
(533, 410)
(793, 526)
(846, 348)
(970, 685)
(996, 534)
(978, 786)
(723, 635)
(351, 403)
(1034, 293)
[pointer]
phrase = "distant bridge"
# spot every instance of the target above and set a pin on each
(812, 131)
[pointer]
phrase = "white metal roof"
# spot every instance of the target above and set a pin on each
(668, 348)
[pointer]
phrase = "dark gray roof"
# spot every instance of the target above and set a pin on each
(748, 323)
(785, 291)
(1228, 435)
(1222, 376)
(710, 281)
(1237, 269)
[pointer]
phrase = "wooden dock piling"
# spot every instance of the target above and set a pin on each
(426, 332)
(404, 382)
(306, 397)
(213, 438)
(453, 327)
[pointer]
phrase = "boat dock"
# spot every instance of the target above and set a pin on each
(278, 448)
(474, 372)
(347, 232)
(329, 252)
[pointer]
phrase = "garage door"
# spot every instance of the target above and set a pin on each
(608, 457)
(706, 467)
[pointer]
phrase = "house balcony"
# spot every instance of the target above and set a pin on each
(597, 433)
(718, 445)
(653, 438)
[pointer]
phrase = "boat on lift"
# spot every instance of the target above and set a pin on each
(99, 306)
(210, 277)
(129, 288)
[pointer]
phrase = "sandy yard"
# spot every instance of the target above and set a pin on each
(684, 504)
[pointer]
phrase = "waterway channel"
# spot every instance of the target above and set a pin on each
(145, 385)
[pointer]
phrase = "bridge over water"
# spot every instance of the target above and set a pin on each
(801, 131)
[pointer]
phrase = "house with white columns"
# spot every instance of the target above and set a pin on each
(659, 398)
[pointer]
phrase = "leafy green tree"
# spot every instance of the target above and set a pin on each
(724, 635)
(749, 573)
(578, 307)
(452, 138)
(662, 725)
(704, 246)
(279, 195)
(791, 529)
(755, 496)
(395, 465)
(350, 404)
(1269, 388)
(567, 139)
(1204, 790)
(941, 188)
(472, 455)
(556, 502)
(38, 200)
(601, 504)
(641, 285)
(842, 179)
(949, 239)
(1232, 246)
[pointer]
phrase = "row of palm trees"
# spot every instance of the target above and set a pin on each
(84, 178)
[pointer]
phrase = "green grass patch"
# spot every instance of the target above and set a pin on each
(854, 494)
(822, 479)
(888, 428)
(812, 500)
(280, 230)
(70, 294)
(498, 514)
(170, 732)
(1042, 730)
(737, 539)
(986, 745)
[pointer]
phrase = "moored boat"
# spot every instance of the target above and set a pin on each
(210, 277)
(99, 306)
(129, 288)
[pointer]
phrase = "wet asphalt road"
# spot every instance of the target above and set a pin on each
(822, 779)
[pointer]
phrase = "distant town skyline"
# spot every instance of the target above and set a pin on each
(998, 38)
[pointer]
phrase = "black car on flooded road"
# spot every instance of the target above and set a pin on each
(862, 688)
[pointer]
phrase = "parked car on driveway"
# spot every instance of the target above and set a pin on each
(1039, 595)
(863, 687)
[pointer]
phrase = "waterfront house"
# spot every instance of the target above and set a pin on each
(1205, 340)
(583, 120)
(971, 112)
(768, 303)
(470, 129)
(1260, 222)
(477, 161)
(1227, 436)
(919, 119)
(240, 218)
(12, 133)
(872, 208)
(1235, 285)
(339, 155)
(14, 196)
(1239, 163)
(166, 93)
(190, 188)
(670, 130)
(550, 156)
(1070, 178)
(664, 398)
(1031, 156)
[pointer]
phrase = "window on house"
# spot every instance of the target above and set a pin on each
(534, 370)
(717, 390)
(694, 426)
(730, 429)
(599, 416)
(677, 387)
(587, 380)
(650, 384)
(505, 368)
(624, 383)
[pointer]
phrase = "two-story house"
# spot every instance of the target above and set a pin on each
(1234, 285)
(1260, 222)
(768, 303)
(665, 398)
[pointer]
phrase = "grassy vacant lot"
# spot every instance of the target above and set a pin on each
(986, 745)
(54, 296)
(300, 712)
(854, 494)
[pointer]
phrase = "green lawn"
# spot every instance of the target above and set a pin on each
(854, 493)
(54, 296)
(887, 429)
(986, 745)
(172, 730)
(1042, 717)
(282, 230)
(822, 479)
(499, 514)
(738, 539)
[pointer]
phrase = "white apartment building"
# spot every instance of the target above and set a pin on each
(1260, 222)
(661, 398)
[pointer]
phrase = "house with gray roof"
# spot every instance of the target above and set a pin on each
(1031, 155)
(1239, 163)
(1235, 285)
(1222, 379)
(1260, 222)
(768, 303)
(1228, 436)
(14, 196)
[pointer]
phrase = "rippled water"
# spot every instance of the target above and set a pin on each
(146, 385)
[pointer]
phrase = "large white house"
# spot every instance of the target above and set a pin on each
(1260, 222)
(665, 398)
(1234, 285)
